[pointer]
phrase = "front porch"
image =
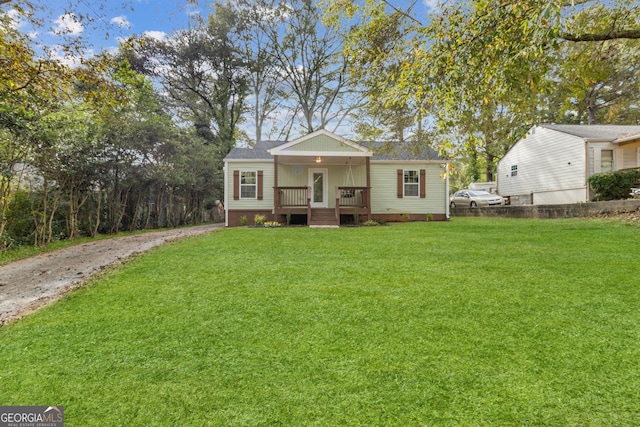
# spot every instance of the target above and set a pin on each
(323, 182)
(351, 205)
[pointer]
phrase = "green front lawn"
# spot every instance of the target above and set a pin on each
(470, 322)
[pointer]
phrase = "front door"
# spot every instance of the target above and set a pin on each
(318, 184)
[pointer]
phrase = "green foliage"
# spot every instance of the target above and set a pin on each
(370, 223)
(259, 219)
(19, 219)
(485, 71)
(614, 185)
(305, 329)
(244, 221)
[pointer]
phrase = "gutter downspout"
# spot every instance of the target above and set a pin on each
(225, 192)
(446, 191)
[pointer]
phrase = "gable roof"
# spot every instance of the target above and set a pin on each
(597, 132)
(320, 141)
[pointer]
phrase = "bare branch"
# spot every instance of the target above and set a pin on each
(587, 37)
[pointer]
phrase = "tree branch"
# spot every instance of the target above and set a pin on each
(596, 37)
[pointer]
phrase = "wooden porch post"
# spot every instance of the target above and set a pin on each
(368, 202)
(276, 192)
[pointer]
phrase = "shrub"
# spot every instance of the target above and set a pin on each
(243, 220)
(259, 219)
(272, 224)
(614, 185)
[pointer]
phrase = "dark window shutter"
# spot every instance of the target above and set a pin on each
(260, 185)
(236, 185)
(423, 183)
(400, 183)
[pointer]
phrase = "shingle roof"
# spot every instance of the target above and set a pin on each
(401, 151)
(259, 152)
(381, 151)
(601, 132)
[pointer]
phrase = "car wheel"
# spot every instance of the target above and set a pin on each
(474, 205)
(452, 204)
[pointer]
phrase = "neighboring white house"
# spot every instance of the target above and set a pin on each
(552, 163)
(324, 179)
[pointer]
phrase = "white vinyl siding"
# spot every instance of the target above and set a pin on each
(384, 197)
(547, 161)
(267, 185)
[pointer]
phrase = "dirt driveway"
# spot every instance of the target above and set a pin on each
(31, 283)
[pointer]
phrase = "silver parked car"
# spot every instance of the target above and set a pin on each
(475, 198)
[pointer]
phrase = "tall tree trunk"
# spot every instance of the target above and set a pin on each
(592, 110)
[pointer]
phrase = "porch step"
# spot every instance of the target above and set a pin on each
(323, 217)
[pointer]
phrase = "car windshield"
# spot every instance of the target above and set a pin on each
(479, 193)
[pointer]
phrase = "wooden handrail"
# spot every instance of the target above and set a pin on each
(291, 196)
(352, 197)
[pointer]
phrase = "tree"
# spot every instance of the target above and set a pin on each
(202, 73)
(29, 87)
(313, 68)
(253, 21)
(475, 53)
(596, 82)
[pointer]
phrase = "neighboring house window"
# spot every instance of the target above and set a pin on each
(514, 170)
(606, 161)
(411, 183)
(248, 184)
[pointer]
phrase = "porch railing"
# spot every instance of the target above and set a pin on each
(352, 197)
(292, 197)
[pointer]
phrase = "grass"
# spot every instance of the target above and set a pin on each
(471, 322)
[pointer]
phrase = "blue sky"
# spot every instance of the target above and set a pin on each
(101, 24)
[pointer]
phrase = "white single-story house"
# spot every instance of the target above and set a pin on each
(324, 179)
(552, 163)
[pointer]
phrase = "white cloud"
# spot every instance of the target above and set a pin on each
(16, 19)
(68, 24)
(121, 21)
(62, 55)
(432, 5)
(157, 35)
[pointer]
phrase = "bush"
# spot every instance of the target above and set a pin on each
(614, 185)
(19, 228)
(259, 219)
